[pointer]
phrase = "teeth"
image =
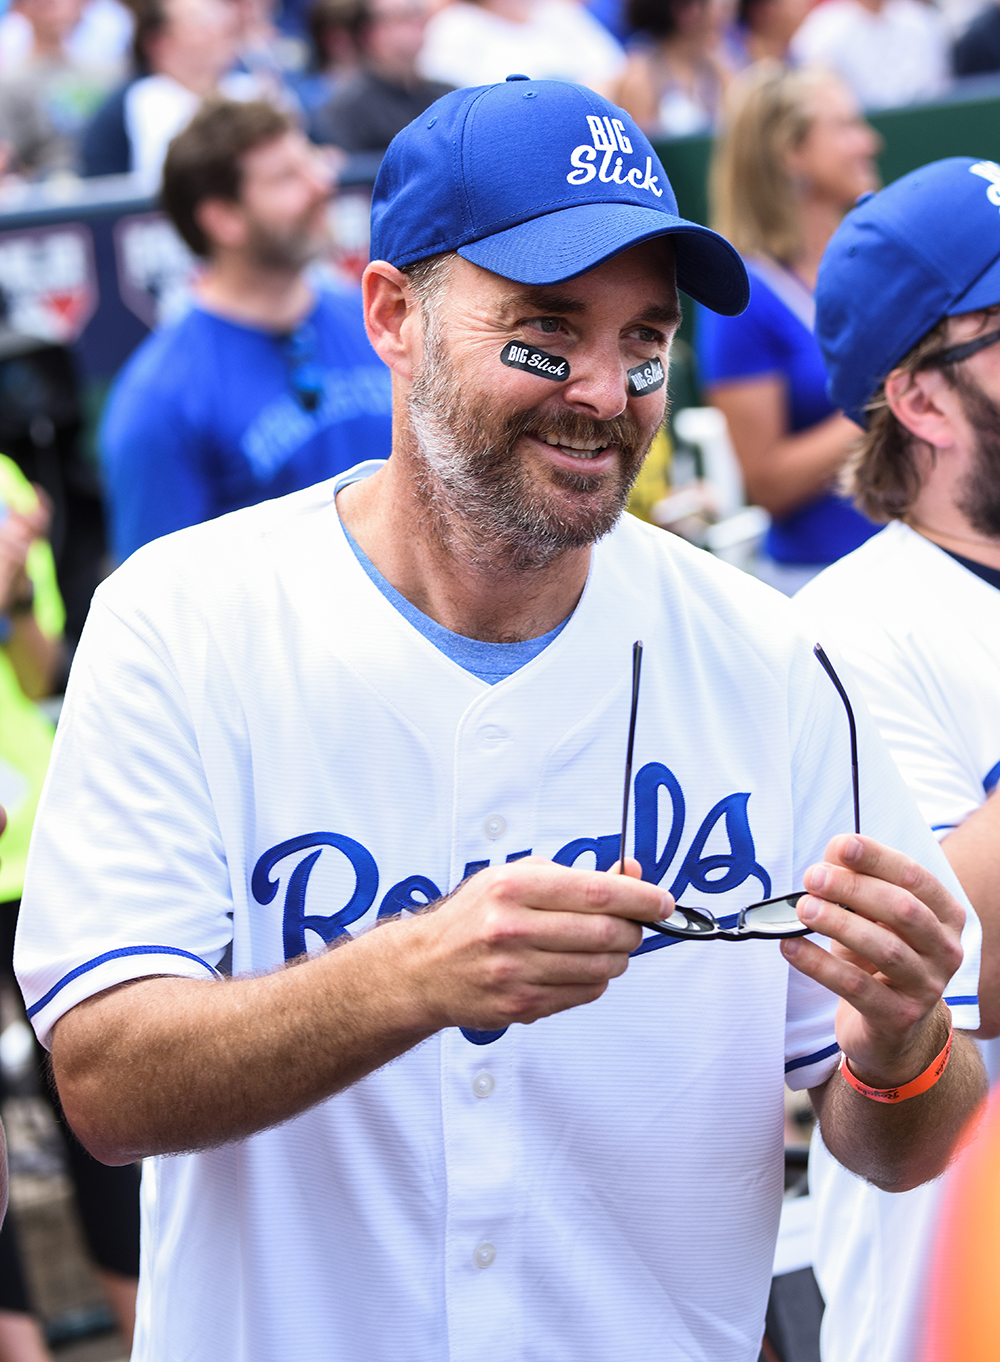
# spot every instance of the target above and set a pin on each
(577, 446)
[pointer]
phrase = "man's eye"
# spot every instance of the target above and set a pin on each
(547, 324)
(647, 334)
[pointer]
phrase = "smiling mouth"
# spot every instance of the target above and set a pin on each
(577, 449)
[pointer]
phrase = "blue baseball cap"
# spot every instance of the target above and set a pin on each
(538, 181)
(925, 247)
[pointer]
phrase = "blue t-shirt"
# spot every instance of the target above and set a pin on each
(209, 415)
(770, 339)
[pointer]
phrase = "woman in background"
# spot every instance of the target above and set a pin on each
(675, 78)
(794, 156)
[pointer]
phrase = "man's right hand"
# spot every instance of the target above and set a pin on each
(522, 941)
(231, 1057)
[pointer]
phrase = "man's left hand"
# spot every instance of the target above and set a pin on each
(896, 941)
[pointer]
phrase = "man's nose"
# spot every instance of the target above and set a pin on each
(597, 384)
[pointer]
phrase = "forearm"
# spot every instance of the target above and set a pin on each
(230, 1057)
(798, 468)
(974, 852)
(898, 1146)
(37, 660)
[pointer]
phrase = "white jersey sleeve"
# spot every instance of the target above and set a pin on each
(127, 760)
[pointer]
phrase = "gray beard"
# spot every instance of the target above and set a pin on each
(482, 502)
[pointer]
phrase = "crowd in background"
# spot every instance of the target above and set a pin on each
(99, 87)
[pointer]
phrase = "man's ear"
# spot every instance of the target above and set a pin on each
(393, 317)
(222, 222)
(925, 404)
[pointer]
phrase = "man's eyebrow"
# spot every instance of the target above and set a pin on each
(541, 302)
(667, 315)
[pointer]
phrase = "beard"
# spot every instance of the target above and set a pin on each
(979, 494)
(291, 248)
(487, 500)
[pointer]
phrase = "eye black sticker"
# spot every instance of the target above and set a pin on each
(646, 378)
(518, 356)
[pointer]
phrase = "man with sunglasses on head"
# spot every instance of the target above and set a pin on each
(908, 317)
(388, 715)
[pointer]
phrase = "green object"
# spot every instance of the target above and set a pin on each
(25, 733)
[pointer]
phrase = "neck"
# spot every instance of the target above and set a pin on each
(442, 568)
(404, 78)
(819, 219)
(514, 11)
(962, 540)
(235, 287)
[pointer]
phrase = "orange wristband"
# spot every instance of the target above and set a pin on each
(920, 1084)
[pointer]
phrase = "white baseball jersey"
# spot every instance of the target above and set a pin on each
(258, 754)
(922, 636)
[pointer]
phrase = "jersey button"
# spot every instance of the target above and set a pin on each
(495, 826)
(483, 1083)
(484, 1255)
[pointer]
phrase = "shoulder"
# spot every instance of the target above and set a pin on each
(240, 554)
(829, 21)
(700, 593)
(167, 357)
(896, 586)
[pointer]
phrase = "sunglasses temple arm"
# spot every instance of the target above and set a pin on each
(636, 670)
(827, 666)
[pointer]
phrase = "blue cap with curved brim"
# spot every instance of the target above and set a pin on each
(925, 247)
(539, 181)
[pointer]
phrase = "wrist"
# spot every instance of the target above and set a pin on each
(911, 1067)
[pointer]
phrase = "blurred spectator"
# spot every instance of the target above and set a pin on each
(471, 43)
(890, 52)
(265, 57)
(674, 82)
(333, 30)
(977, 51)
(794, 156)
(101, 38)
(184, 47)
(31, 666)
(387, 93)
(762, 29)
(263, 387)
(46, 101)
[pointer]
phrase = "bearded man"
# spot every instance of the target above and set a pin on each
(266, 385)
(331, 918)
(908, 318)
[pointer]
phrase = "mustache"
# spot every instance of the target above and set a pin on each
(622, 431)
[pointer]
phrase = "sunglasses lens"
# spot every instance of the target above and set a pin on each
(689, 922)
(776, 917)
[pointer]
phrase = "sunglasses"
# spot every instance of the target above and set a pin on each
(956, 353)
(306, 377)
(769, 919)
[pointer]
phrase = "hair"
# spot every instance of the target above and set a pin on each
(658, 18)
(428, 279)
(882, 475)
(203, 161)
(150, 18)
(350, 16)
(768, 113)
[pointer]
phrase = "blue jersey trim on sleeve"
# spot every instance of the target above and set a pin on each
(991, 778)
(803, 1063)
(943, 827)
(113, 955)
(963, 1000)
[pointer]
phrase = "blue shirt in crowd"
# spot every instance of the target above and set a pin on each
(209, 415)
(769, 339)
